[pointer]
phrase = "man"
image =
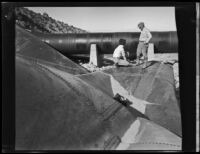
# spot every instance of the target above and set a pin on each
(143, 44)
(119, 52)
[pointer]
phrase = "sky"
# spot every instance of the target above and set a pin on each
(113, 19)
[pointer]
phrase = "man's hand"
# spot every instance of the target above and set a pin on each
(125, 59)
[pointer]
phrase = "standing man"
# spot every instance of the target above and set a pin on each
(143, 44)
(119, 52)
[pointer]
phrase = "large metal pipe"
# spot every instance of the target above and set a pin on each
(164, 42)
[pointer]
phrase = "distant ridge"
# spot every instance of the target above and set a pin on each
(37, 22)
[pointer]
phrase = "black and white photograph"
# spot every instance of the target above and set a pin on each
(102, 77)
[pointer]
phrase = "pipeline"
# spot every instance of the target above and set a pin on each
(164, 42)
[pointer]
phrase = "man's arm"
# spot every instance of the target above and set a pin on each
(123, 54)
(149, 36)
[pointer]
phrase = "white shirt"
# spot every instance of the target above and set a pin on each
(145, 35)
(119, 51)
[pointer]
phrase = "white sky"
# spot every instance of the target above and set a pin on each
(113, 19)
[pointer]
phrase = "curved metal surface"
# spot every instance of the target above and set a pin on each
(58, 111)
(51, 116)
(107, 42)
(155, 86)
(27, 45)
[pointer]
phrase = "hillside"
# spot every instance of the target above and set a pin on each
(32, 21)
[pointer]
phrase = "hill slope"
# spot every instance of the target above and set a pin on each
(32, 21)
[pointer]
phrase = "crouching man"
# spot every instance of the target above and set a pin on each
(143, 44)
(119, 52)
